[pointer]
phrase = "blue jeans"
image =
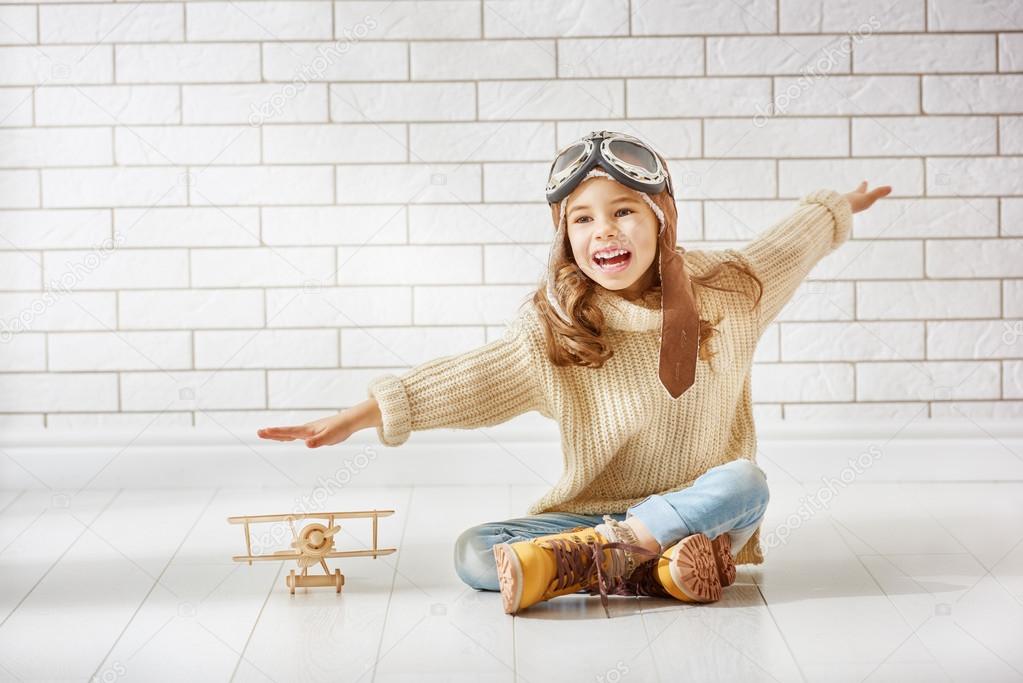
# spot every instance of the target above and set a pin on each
(731, 497)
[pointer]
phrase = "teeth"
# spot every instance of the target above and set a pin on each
(610, 254)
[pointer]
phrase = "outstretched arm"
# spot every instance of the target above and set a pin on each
(784, 254)
(479, 388)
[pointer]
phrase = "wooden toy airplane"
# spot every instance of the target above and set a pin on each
(313, 544)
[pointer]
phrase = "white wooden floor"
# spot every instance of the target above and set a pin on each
(894, 582)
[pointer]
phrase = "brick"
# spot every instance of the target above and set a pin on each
(39, 391)
(927, 381)
(778, 137)
(853, 341)
(481, 60)
(333, 225)
(895, 218)
(925, 54)
(405, 346)
(266, 20)
(88, 351)
(923, 135)
(218, 349)
(839, 16)
(551, 99)
(50, 229)
(118, 268)
(338, 306)
(974, 339)
(797, 176)
(538, 19)
(697, 96)
(407, 20)
(191, 145)
(335, 61)
(196, 62)
(974, 176)
(262, 185)
(801, 382)
(196, 390)
(106, 105)
(76, 64)
(409, 183)
(55, 147)
(334, 143)
(975, 258)
(894, 300)
(776, 55)
(262, 267)
(950, 15)
(462, 142)
(659, 17)
(980, 94)
(190, 309)
(114, 186)
(624, 57)
(359, 102)
(112, 23)
(409, 265)
(187, 226)
(836, 95)
(254, 103)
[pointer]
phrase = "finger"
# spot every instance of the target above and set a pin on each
(316, 439)
(285, 431)
(862, 187)
(275, 436)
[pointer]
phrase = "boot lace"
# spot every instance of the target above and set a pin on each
(578, 562)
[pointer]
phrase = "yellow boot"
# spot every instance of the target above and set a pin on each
(580, 559)
(693, 570)
(683, 571)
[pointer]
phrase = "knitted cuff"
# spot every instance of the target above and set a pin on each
(624, 534)
(395, 412)
(840, 210)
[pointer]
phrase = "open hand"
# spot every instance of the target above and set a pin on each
(323, 432)
(860, 199)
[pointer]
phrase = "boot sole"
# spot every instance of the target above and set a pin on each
(723, 558)
(694, 569)
(509, 576)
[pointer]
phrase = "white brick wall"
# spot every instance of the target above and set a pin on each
(237, 213)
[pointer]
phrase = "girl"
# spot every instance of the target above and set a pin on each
(642, 352)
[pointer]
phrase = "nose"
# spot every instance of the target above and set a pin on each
(606, 229)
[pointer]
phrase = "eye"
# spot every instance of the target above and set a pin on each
(580, 217)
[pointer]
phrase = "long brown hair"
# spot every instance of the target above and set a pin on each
(582, 343)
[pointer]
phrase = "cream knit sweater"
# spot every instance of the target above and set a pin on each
(622, 435)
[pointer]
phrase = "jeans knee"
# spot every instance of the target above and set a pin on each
(750, 480)
(474, 558)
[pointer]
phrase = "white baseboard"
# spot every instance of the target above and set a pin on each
(925, 450)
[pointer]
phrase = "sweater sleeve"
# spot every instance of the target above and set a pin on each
(482, 387)
(785, 253)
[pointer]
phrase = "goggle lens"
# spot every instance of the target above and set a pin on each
(634, 154)
(567, 158)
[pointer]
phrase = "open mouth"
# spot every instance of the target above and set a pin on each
(618, 261)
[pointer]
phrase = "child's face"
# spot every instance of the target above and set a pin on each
(602, 213)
